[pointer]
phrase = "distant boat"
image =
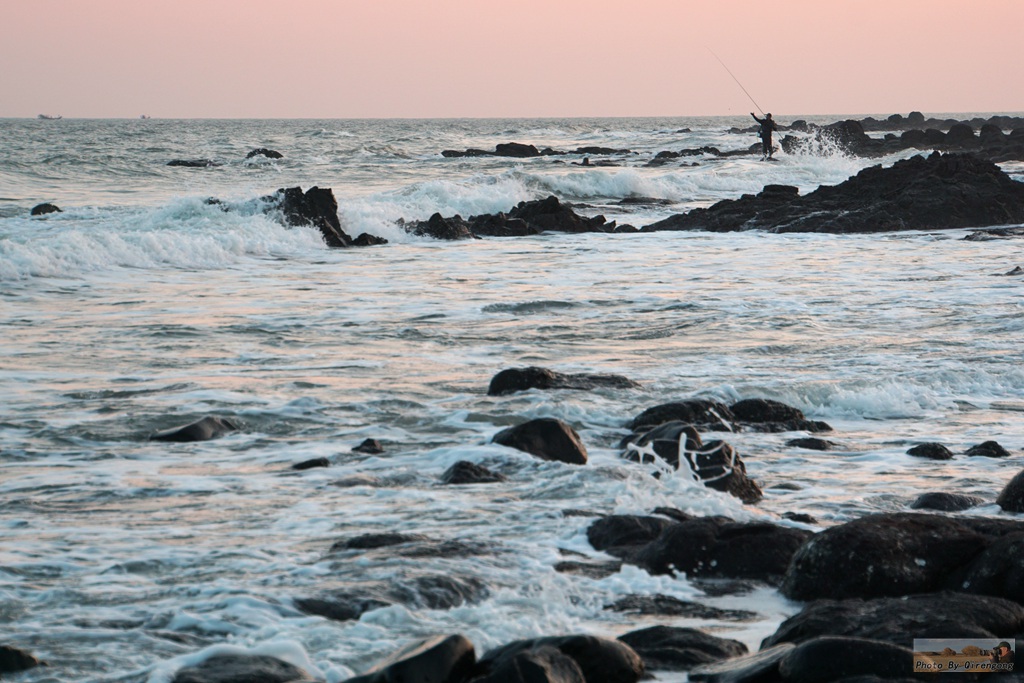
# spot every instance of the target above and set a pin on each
(144, 116)
(47, 117)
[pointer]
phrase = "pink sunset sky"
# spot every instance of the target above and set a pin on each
(523, 58)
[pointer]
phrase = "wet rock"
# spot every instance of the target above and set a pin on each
(194, 163)
(310, 464)
(670, 648)
(441, 228)
(367, 240)
(1015, 271)
(624, 535)
(369, 446)
(1011, 498)
(521, 379)
(551, 215)
(828, 659)
(812, 443)
(591, 570)
(465, 472)
(440, 591)
(316, 207)
(13, 660)
(941, 191)
(721, 547)
(43, 209)
(545, 438)
(207, 428)
(889, 554)
(264, 152)
(666, 605)
(988, 449)
(241, 668)
(766, 415)
(542, 664)
(801, 517)
(899, 620)
(715, 464)
(439, 659)
(600, 659)
(932, 451)
(373, 541)
(945, 502)
(702, 413)
(340, 606)
(759, 667)
(998, 570)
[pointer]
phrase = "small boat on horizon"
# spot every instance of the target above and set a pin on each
(47, 117)
(145, 116)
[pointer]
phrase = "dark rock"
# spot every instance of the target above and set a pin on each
(672, 648)
(194, 163)
(552, 215)
(12, 660)
(373, 541)
(1011, 498)
(759, 667)
(915, 118)
(440, 659)
(441, 228)
(546, 438)
(451, 153)
(263, 151)
(801, 517)
(666, 605)
(316, 207)
(720, 547)
(205, 429)
(945, 502)
(43, 209)
(542, 664)
(310, 464)
(812, 443)
(441, 591)
(591, 570)
(941, 191)
(515, 149)
(699, 412)
(368, 240)
(465, 472)
(766, 415)
(521, 379)
(962, 135)
(1014, 271)
(600, 659)
(715, 464)
(242, 669)
(340, 606)
(988, 449)
(998, 571)
(828, 659)
(900, 620)
(934, 137)
(932, 451)
(624, 535)
(889, 554)
(369, 446)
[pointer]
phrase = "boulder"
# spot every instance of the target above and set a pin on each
(316, 207)
(829, 658)
(340, 606)
(547, 438)
(515, 149)
(441, 228)
(890, 554)
(1011, 498)
(624, 535)
(373, 541)
(766, 415)
(367, 240)
(899, 620)
(671, 648)
(207, 428)
(542, 664)
(931, 450)
(759, 667)
(264, 152)
(721, 547)
(811, 443)
(998, 570)
(465, 472)
(551, 215)
(310, 464)
(988, 449)
(13, 660)
(194, 163)
(945, 502)
(668, 606)
(521, 379)
(665, 445)
(242, 669)
(600, 659)
(369, 446)
(702, 413)
(961, 135)
(43, 209)
(439, 659)
(940, 191)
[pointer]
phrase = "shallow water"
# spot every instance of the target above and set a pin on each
(141, 308)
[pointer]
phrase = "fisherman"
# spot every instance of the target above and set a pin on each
(767, 126)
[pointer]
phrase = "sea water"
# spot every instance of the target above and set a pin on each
(142, 307)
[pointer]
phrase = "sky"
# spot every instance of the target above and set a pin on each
(507, 58)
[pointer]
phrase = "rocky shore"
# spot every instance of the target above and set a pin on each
(868, 587)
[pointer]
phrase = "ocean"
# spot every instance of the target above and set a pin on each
(142, 307)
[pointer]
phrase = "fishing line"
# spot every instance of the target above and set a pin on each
(735, 79)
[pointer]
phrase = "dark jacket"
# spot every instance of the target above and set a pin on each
(767, 126)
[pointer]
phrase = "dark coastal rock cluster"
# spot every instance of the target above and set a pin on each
(213, 163)
(519, 150)
(941, 191)
(317, 207)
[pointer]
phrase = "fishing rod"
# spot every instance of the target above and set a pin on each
(735, 79)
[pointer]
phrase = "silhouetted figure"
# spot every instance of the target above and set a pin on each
(767, 126)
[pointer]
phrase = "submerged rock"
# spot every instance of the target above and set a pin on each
(988, 449)
(43, 209)
(13, 660)
(527, 218)
(521, 379)
(194, 163)
(945, 502)
(465, 472)
(207, 428)
(264, 152)
(239, 668)
(932, 451)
